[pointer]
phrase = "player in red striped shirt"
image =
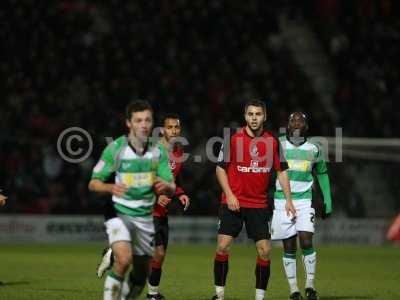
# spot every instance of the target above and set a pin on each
(243, 172)
(171, 130)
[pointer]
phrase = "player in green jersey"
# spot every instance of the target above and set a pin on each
(141, 170)
(305, 162)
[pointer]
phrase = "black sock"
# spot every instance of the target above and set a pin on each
(262, 273)
(155, 273)
(221, 267)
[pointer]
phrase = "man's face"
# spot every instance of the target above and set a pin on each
(297, 125)
(255, 117)
(171, 129)
(140, 124)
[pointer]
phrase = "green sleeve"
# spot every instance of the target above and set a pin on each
(105, 166)
(323, 180)
(163, 169)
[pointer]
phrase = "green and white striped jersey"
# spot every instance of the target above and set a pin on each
(302, 160)
(136, 171)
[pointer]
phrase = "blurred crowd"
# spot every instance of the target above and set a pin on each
(78, 63)
(363, 40)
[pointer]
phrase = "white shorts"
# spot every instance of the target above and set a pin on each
(283, 226)
(137, 230)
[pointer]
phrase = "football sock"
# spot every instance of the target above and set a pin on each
(221, 267)
(260, 294)
(112, 286)
(262, 273)
(289, 264)
(155, 277)
(310, 262)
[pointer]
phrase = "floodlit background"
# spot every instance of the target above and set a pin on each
(77, 64)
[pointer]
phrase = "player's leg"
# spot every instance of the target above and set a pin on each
(221, 264)
(135, 283)
(161, 245)
(290, 266)
(120, 241)
(144, 245)
(230, 225)
(106, 262)
(305, 229)
(256, 220)
(309, 262)
(107, 259)
(263, 270)
(284, 228)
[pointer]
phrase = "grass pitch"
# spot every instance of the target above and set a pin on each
(35, 272)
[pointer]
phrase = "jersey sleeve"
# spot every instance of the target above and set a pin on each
(280, 163)
(179, 189)
(321, 172)
(105, 166)
(320, 164)
(225, 154)
(163, 169)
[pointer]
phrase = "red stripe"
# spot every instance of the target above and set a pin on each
(155, 264)
(221, 257)
(263, 262)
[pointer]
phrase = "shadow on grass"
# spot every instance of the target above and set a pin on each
(12, 283)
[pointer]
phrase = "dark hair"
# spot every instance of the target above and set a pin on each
(166, 116)
(257, 103)
(135, 106)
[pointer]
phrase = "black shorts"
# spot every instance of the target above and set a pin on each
(255, 219)
(161, 231)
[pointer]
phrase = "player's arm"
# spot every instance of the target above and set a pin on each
(321, 172)
(285, 184)
(222, 163)
(222, 177)
(164, 183)
(280, 166)
(102, 172)
(98, 186)
(180, 192)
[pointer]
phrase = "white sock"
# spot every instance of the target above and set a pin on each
(310, 263)
(151, 289)
(125, 289)
(220, 291)
(112, 287)
(260, 294)
(289, 264)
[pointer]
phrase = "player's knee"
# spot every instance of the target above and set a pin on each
(223, 248)
(159, 254)
(290, 245)
(306, 244)
(123, 261)
(264, 250)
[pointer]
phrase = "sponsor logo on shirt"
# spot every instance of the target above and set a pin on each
(253, 168)
(254, 151)
(172, 164)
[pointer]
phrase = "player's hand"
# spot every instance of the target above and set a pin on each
(325, 212)
(2, 200)
(290, 210)
(118, 189)
(163, 200)
(185, 200)
(233, 202)
(161, 186)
